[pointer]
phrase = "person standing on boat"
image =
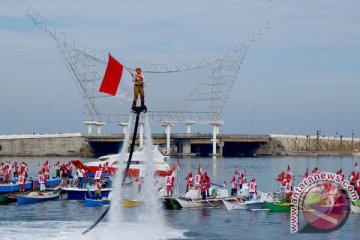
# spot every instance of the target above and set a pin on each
(252, 189)
(207, 183)
(58, 167)
(16, 169)
(138, 79)
(7, 174)
(64, 175)
(203, 190)
(69, 168)
(80, 174)
(233, 186)
(21, 181)
(42, 179)
(169, 185)
(106, 167)
(47, 169)
(189, 181)
(98, 189)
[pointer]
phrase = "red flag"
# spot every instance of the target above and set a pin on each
(115, 76)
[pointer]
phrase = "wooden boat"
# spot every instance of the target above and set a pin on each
(96, 202)
(200, 203)
(278, 207)
(36, 197)
(12, 197)
(127, 203)
(234, 205)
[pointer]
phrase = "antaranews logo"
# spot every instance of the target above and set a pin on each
(321, 203)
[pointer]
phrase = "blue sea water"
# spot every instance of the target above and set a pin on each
(65, 219)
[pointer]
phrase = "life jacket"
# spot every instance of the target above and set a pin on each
(139, 79)
(252, 187)
(190, 181)
(168, 181)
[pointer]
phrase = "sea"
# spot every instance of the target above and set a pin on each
(65, 219)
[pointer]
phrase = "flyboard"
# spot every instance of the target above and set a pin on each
(137, 111)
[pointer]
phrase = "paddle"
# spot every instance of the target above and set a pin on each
(137, 111)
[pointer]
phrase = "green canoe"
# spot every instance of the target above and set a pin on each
(278, 207)
(356, 203)
(4, 199)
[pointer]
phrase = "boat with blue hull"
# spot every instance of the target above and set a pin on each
(14, 187)
(74, 193)
(36, 197)
(96, 202)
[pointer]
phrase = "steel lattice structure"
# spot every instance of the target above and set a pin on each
(83, 64)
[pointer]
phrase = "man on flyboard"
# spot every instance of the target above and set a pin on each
(138, 79)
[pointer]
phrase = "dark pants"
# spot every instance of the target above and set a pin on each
(203, 195)
(233, 191)
(80, 182)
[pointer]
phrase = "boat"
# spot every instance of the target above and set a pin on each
(36, 197)
(75, 193)
(355, 206)
(192, 199)
(257, 204)
(234, 204)
(127, 203)
(4, 199)
(278, 207)
(96, 202)
(356, 203)
(138, 162)
(12, 197)
(13, 187)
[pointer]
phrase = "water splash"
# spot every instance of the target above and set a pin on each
(115, 207)
(147, 221)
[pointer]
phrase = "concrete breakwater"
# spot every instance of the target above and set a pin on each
(310, 145)
(227, 145)
(69, 144)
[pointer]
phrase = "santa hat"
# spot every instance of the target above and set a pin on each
(253, 180)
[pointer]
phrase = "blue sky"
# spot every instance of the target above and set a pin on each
(302, 75)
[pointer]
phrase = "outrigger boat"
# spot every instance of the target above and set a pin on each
(192, 199)
(36, 197)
